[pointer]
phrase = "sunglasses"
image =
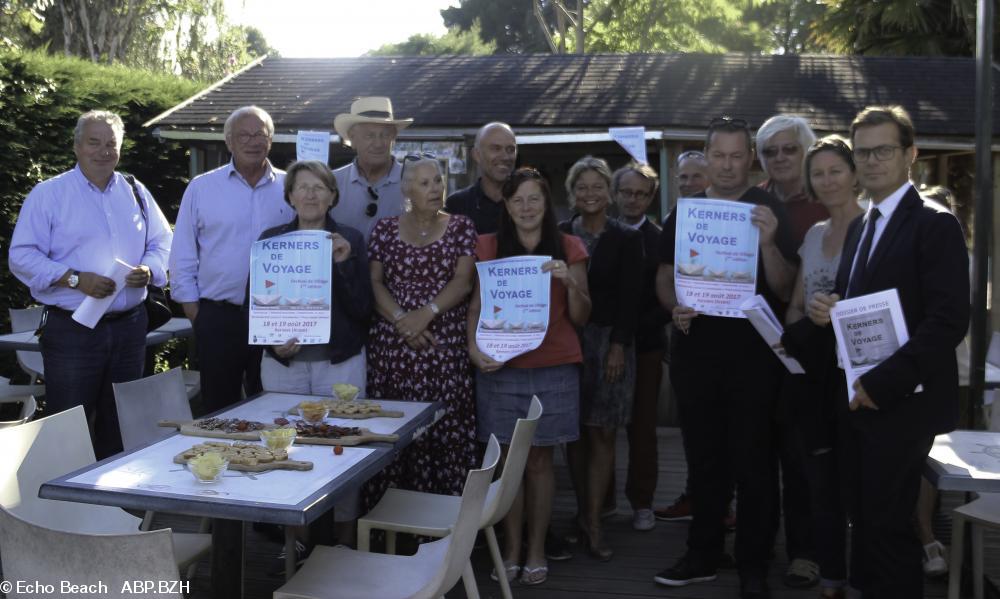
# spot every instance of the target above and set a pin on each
(372, 206)
(690, 154)
(727, 122)
(785, 150)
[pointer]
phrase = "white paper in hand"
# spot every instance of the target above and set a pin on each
(763, 319)
(91, 308)
(633, 139)
(869, 329)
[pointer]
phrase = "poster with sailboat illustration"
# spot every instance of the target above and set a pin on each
(514, 296)
(715, 256)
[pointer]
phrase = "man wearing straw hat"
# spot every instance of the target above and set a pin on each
(369, 185)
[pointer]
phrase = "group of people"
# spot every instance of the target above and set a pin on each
(405, 308)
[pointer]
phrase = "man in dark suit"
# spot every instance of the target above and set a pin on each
(899, 406)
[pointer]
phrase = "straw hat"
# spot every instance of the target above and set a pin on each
(371, 109)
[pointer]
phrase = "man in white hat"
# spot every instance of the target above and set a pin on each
(369, 185)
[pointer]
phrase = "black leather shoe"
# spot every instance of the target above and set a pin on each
(683, 573)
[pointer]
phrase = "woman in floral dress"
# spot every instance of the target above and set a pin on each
(422, 265)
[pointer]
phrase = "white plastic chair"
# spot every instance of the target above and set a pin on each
(47, 556)
(432, 515)
(28, 406)
(342, 573)
(39, 451)
(28, 319)
(142, 403)
(981, 514)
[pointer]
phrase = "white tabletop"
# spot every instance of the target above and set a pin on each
(965, 461)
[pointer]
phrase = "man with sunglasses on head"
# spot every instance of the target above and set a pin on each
(495, 151)
(370, 184)
(692, 173)
(782, 142)
(917, 248)
(222, 214)
(725, 378)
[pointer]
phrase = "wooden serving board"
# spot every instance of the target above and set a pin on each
(366, 436)
(294, 411)
(275, 465)
(188, 428)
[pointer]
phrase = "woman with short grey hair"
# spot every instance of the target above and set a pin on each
(422, 265)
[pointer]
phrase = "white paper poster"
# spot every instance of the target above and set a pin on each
(514, 299)
(91, 309)
(313, 145)
(290, 288)
(715, 256)
(633, 139)
(869, 329)
(763, 318)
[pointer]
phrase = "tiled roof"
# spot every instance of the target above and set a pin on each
(677, 91)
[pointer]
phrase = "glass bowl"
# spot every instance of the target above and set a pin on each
(207, 470)
(314, 413)
(278, 438)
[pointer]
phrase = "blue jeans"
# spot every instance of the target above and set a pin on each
(81, 364)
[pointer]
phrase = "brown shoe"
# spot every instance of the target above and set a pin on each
(676, 512)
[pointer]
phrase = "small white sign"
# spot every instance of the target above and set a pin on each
(313, 145)
(633, 139)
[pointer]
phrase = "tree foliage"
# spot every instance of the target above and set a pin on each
(899, 27)
(509, 25)
(455, 41)
(191, 38)
(40, 99)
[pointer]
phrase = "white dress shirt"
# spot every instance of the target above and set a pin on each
(886, 207)
(68, 223)
(220, 218)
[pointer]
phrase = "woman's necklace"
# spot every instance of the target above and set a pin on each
(423, 232)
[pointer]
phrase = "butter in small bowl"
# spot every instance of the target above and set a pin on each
(313, 411)
(208, 467)
(278, 438)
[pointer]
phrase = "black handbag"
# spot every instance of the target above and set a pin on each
(157, 303)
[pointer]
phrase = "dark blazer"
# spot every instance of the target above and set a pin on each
(650, 335)
(353, 300)
(614, 278)
(922, 255)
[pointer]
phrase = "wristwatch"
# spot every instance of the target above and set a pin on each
(74, 279)
(434, 308)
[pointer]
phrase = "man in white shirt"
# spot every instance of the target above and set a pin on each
(222, 214)
(69, 233)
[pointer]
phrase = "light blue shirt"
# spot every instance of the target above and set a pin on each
(220, 217)
(68, 223)
(354, 197)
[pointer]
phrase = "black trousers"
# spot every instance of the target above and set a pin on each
(226, 361)
(727, 409)
(883, 470)
(791, 458)
(81, 364)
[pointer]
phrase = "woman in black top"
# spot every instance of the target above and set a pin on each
(614, 275)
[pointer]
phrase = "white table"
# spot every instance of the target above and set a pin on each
(965, 461)
(147, 479)
(173, 329)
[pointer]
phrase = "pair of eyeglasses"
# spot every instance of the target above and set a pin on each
(303, 189)
(246, 137)
(728, 122)
(372, 206)
(785, 150)
(881, 153)
(628, 194)
(420, 156)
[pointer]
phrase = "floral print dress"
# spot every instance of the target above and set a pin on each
(438, 461)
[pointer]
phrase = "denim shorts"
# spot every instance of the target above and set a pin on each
(505, 395)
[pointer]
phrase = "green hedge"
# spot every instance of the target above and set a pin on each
(40, 99)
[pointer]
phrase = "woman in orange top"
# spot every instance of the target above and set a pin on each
(551, 371)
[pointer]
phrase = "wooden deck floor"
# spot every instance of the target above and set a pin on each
(639, 555)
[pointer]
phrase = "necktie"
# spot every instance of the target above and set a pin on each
(861, 262)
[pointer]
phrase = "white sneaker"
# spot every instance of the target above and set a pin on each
(643, 519)
(935, 559)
